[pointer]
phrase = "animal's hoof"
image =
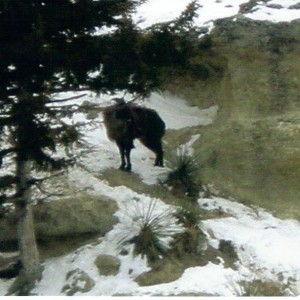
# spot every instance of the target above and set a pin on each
(128, 169)
(159, 165)
(125, 168)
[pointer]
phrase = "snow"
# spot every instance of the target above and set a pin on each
(209, 280)
(175, 113)
(266, 245)
(209, 10)
(275, 11)
(187, 148)
(157, 11)
(268, 248)
(4, 286)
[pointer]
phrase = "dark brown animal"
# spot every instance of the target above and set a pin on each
(125, 122)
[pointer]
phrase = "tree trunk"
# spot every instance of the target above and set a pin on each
(31, 271)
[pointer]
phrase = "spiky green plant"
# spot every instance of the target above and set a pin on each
(192, 238)
(184, 174)
(188, 215)
(151, 231)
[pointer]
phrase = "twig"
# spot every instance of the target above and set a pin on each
(59, 90)
(4, 152)
(48, 194)
(38, 180)
(134, 99)
(7, 180)
(67, 99)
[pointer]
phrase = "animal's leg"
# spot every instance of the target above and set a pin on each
(156, 147)
(159, 161)
(127, 157)
(122, 155)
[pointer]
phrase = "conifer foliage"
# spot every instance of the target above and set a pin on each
(46, 47)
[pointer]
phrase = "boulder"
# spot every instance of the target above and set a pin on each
(78, 281)
(67, 217)
(107, 265)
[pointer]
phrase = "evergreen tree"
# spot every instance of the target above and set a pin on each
(49, 46)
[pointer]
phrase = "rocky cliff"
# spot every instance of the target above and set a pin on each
(253, 151)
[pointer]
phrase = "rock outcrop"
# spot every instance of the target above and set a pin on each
(252, 152)
(78, 281)
(107, 265)
(66, 217)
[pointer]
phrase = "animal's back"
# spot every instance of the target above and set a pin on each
(130, 121)
(149, 122)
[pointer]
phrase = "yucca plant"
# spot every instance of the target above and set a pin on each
(183, 175)
(188, 215)
(151, 231)
(192, 239)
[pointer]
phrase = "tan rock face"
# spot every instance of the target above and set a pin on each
(262, 65)
(67, 217)
(252, 151)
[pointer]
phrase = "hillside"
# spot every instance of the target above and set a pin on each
(252, 152)
(69, 263)
(235, 113)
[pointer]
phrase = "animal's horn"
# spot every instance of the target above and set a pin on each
(119, 100)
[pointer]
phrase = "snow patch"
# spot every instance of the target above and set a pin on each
(266, 245)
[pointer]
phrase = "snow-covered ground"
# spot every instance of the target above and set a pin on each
(159, 11)
(176, 115)
(268, 248)
(156, 11)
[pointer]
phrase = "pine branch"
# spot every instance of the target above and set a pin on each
(48, 194)
(66, 99)
(34, 181)
(5, 152)
(7, 180)
(60, 90)
(65, 107)
(134, 99)
(5, 121)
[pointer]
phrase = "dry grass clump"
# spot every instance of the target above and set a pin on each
(258, 288)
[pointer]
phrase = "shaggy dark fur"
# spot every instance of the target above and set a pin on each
(126, 122)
